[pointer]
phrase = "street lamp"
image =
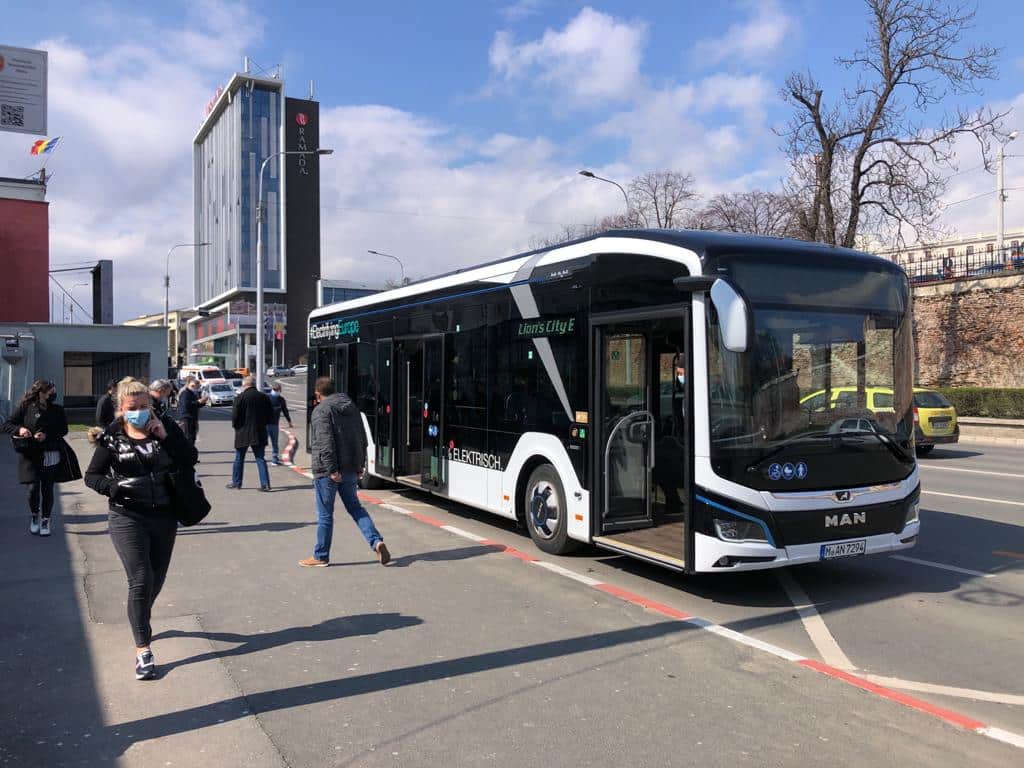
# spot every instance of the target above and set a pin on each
(1001, 193)
(260, 332)
(400, 264)
(72, 302)
(592, 175)
(167, 271)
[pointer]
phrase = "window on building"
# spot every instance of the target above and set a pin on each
(990, 247)
(970, 250)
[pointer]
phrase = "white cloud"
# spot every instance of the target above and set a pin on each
(121, 183)
(522, 9)
(595, 58)
(754, 39)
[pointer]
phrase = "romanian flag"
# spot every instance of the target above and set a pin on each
(43, 146)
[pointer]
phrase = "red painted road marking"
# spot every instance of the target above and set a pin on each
(962, 721)
(519, 555)
(1004, 553)
(651, 605)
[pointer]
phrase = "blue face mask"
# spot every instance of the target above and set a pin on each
(681, 380)
(138, 419)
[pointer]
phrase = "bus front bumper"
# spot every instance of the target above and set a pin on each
(712, 555)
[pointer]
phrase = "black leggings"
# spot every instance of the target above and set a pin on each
(40, 493)
(144, 545)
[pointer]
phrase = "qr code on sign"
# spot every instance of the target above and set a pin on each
(12, 115)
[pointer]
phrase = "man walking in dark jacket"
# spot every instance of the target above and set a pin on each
(105, 407)
(189, 403)
(337, 442)
(249, 416)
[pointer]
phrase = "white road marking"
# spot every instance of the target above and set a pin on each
(971, 471)
(943, 566)
(1006, 737)
(462, 533)
(827, 646)
(976, 498)
(753, 642)
(947, 690)
(555, 568)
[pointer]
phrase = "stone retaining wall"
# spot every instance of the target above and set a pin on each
(970, 333)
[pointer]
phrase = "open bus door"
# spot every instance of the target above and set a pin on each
(641, 447)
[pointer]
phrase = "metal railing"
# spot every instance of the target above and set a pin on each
(963, 265)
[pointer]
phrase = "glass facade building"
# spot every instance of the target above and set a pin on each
(243, 129)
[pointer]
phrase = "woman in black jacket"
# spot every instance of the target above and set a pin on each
(40, 424)
(133, 462)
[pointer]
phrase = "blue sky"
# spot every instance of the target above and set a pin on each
(459, 126)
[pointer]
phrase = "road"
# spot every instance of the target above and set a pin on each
(461, 653)
(942, 621)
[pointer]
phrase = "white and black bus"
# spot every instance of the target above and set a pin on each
(698, 400)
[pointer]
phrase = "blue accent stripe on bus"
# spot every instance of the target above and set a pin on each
(436, 299)
(731, 511)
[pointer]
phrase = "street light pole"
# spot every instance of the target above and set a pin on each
(400, 264)
(260, 331)
(1001, 193)
(72, 304)
(592, 175)
(167, 273)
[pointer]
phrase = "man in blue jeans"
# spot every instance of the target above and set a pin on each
(280, 408)
(337, 442)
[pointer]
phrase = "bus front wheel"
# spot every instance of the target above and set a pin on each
(546, 511)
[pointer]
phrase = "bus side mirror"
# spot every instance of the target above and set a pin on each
(732, 316)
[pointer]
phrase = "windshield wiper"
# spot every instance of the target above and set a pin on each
(889, 443)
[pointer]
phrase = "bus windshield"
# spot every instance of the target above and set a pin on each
(822, 398)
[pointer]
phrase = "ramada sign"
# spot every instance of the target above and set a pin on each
(302, 119)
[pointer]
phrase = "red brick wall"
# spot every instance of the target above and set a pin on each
(970, 333)
(24, 261)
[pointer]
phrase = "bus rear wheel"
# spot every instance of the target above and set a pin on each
(546, 511)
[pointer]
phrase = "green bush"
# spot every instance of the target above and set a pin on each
(986, 401)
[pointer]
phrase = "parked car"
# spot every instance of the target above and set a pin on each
(279, 370)
(221, 393)
(300, 370)
(236, 384)
(987, 269)
(934, 421)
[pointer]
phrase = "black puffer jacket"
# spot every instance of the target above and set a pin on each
(135, 474)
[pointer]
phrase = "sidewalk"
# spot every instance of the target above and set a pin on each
(456, 654)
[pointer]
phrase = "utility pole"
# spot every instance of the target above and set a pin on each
(1001, 194)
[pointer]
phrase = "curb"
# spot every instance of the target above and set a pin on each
(956, 719)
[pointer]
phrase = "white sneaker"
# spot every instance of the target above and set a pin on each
(44, 527)
(33, 526)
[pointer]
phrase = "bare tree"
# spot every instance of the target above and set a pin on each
(757, 212)
(865, 160)
(661, 199)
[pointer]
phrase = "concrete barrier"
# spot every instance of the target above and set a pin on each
(974, 429)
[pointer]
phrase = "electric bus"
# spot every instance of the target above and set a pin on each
(647, 391)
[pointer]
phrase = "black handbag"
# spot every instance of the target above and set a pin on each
(190, 502)
(22, 444)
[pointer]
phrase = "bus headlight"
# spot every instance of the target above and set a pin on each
(739, 530)
(913, 513)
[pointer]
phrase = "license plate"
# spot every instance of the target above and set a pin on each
(845, 549)
(940, 421)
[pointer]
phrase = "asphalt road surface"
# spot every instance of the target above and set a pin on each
(459, 654)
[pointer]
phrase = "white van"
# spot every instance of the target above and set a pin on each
(207, 374)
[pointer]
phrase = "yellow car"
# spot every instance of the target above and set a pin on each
(934, 416)
(934, 420)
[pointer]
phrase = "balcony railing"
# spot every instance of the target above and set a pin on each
(963, 265)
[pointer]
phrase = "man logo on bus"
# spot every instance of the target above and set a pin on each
(837, 521)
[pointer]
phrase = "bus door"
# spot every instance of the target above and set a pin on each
(431, 463)
(408, 411)
(384, 439)
(641, 451)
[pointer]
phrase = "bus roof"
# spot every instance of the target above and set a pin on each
(704, 243)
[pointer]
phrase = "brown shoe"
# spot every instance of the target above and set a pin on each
(382, 553)
(313, 562)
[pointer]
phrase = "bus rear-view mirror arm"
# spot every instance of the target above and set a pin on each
(733, 320)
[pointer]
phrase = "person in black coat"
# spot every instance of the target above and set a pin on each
(133, 463)
(105, 408)
(250, 415)
(38, 426)
(189, 403)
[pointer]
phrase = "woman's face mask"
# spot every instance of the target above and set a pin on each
(681, 378)
(137, 419)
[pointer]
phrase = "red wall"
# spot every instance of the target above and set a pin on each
(24, 261)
